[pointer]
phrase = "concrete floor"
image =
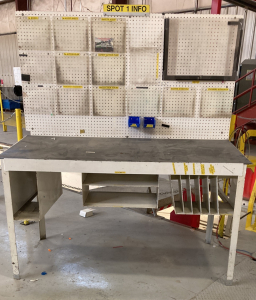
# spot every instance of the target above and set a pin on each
(157, 260)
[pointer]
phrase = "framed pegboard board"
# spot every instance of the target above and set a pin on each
(199, 47)
(77, 91)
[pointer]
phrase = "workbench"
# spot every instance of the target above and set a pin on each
(32, 168)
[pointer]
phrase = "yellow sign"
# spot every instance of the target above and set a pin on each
(70, 18)
(173, 166)
(117, 8)
(195, 81)
(108, 87)
(194, 169)
(108, 19)
(179, 89)
(217, 89)
(120, 172)
(185, 168)
(33, 18)
(82, 131)
(105, 54)
(133, 125)
(202, 169)
(211, 169)
(72, 86)
(157, 64)
(72, 54)
(149, 125)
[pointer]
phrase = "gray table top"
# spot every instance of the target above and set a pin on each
(124, 149)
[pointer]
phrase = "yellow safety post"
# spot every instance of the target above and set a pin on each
(2, 112)
(19, 124)
(249, 226)
(232, 126)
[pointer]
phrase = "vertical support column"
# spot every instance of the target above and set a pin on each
(42, 230)
(10, 223)
(237, 194)
(209, 228)
(216, 7)
(2, 113)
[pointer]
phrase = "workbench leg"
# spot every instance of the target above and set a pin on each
(10, 223)
(238, 190)
(228, 226)
(42, 229)
(209, 228)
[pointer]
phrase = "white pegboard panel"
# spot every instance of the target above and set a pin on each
(67, 28)
(84, 109)
(144, 66)
(73, 101)
(39, 101)
(105, 28)
(34, 33)
(144, 102)
(72, 68)
(108, 101)
(107, 70)
(150, 33)
(179, 102)
(213, 39)
(39, 65)
(216, 102)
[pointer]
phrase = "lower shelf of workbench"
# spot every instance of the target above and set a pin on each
(111, 199)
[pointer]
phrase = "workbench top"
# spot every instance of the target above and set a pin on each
(125, 150)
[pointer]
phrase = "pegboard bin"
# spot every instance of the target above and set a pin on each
(72, 68)
(179, 102)
(144, 66)
(114, 28)
(46, 100)
(216, 102)
(108, 70)
(73, 101)
(143, 101)
(109, 101)
(36, 33)
(70, 33)
(39, 65)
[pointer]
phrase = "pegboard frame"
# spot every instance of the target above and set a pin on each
(99, 126)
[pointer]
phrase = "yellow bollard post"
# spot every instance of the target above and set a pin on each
(18, 124)
(2, 112)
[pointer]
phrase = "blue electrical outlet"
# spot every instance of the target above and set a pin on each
(134, 122)
(149, 122)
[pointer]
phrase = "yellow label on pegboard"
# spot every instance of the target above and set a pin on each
(185, 168)
(179, 89)
(105, 54)
(202, 169)
(194, 169)
(195, 81)
(71, 54)
(108, 19)
(70, 18)
(82, 131)
(108, 87)
(173, 166)
(120, 172)
(33, 18)
(157, 65)
(149, 125)
(217, 89)
(72, 86)
(211, 169)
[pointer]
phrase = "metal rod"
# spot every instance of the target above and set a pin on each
(199, 9)
(1, 34)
